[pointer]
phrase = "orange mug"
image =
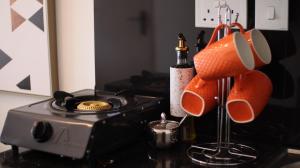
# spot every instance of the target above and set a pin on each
(198, 97)
(258, 44)
(229, 56)
(248, 97)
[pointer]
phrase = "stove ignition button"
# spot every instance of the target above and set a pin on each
(41, 131)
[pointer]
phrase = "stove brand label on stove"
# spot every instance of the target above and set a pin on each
(63, 137)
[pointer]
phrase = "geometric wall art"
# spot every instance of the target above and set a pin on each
(28, 46)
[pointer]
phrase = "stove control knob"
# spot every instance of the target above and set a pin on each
(41, 131)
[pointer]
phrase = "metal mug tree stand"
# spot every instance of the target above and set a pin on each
(223, 152)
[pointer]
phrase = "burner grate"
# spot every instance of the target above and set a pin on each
(89, 104)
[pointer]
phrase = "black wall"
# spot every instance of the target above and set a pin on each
(285, 73)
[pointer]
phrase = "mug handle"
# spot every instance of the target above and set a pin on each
(215, 33)
(236, 24)
(238, 81)
(200, 85)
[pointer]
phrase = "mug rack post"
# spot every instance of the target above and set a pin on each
(223, 152)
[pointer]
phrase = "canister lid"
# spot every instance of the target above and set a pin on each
(169, 125)
(163, 124)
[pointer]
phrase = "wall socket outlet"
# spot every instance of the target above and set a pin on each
(206, 12)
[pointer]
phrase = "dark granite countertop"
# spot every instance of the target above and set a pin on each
(138, 155)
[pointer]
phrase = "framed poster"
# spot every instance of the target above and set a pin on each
(28, 46)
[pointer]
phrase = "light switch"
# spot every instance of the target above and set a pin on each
(271, 14)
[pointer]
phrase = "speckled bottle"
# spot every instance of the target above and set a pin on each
(180, 75)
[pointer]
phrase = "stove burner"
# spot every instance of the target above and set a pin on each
(94, 106)
(87, 104)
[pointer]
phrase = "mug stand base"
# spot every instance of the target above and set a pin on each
(214, 154)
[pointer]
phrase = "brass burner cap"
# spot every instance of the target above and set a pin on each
(94, 106)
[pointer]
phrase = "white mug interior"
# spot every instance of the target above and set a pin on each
(261, 46)
(243, 51)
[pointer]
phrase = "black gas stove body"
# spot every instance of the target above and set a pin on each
(45, 127)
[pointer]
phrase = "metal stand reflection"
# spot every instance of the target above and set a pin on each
(223, 152)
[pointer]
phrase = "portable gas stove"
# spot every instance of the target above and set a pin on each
(86, 123)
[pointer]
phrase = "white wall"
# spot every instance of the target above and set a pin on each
(75, 40)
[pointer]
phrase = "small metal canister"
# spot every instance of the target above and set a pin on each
(164, 133)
